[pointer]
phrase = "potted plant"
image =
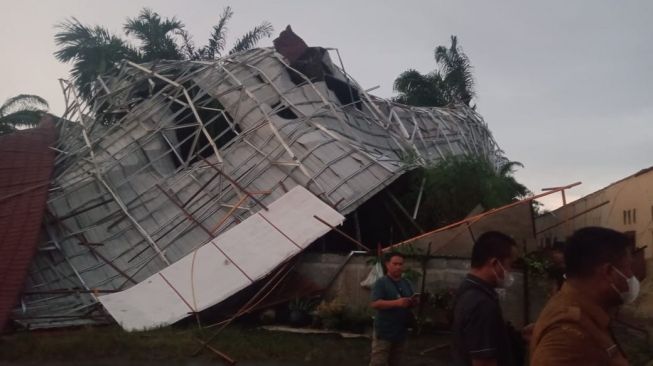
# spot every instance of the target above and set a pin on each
(331, 313)
(300, 311)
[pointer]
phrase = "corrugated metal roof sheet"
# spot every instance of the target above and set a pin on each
(133, 195)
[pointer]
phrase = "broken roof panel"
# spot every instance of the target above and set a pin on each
(236, 259)
(172, 154)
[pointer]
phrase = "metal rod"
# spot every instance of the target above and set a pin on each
(358, 244)
(79, 211)
(233, 182)
(573, 217)
(201, 189)
(83, 241)
(188, 215)
(177, 292)
(69, 291)
(403, 210)
(419, 198)
(229, 213)
(479, 216)
(281, 232)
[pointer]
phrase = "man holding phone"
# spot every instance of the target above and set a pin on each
(392, 298)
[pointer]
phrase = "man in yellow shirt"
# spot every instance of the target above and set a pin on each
(573, 328)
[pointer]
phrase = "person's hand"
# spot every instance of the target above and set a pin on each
(404, 302)
(527, 332)
(416, 299)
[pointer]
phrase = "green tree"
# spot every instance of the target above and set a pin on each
(455, 186)
(420, 90)
(218, 39)
(156, 35)
(94, 51)
(24, 110)
(456, 71)
(452, 82)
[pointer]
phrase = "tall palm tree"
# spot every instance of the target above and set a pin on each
(251, 38)
(422, 90)
(452, 82)
(456, 71)
(218, 40)
(24, 110)
(92, 50)
(155, 35)
(95, 51)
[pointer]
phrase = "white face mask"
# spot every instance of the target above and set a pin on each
(633, 288)
(507, 280)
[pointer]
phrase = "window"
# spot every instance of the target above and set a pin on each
(625, 216)
(634, 215)
(628, 221)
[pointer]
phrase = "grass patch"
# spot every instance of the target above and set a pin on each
(111, 342)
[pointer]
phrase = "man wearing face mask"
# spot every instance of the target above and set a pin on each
(480, 336)
(573, 328)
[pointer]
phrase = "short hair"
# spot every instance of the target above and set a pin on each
(592, 246)
(491, 244)
(388, 256)
(558, 246)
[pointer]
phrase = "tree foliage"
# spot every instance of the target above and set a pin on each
(94, 51)
(452, 82)
(156, 35)
(455, 186)
(456, 71)
(24, 110)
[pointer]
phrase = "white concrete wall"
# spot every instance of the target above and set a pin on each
(632, 196)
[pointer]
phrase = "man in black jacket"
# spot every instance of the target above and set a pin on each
(480, 334)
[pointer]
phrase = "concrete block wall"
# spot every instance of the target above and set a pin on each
(440, 273)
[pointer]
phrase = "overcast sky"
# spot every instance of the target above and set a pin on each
(565, 86)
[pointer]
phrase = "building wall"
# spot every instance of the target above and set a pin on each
(441, 273)
(630, 210)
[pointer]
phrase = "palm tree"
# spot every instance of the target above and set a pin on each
(456, 71)
(217, 42)
(451, 83)
(155, 35)
(93, 51)
(508, 188)
(251, 38)
(422, 90)
(24, 110)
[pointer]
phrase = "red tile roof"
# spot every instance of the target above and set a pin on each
(26, 164)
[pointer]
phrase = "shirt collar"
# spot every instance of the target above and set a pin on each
(594, 311)
(483, 285)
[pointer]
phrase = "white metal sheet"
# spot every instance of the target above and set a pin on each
(226, 265)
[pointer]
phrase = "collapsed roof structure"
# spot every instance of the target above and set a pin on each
(173, 154)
